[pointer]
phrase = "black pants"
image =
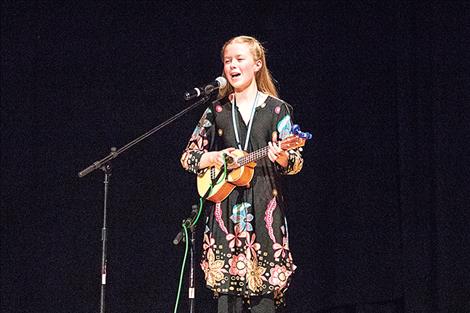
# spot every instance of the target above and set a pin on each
(234, 304)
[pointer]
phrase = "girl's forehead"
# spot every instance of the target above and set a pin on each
(236, 48)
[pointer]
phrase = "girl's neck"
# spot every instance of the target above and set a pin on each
(247, 95)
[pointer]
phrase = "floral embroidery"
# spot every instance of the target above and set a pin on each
(234, 239)
(218, 218)
(209, 242)
(268, 218)
(213, 269)
(255, 275)
(251, 246)
(279, 276)
(238, 265)
(295, 162)
(199, 138)
(281, 249)
(240, 215)
(197, 145)
(284, 127)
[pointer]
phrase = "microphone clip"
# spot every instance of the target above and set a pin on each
(219, 82)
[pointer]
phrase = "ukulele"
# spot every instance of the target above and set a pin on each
(240, 169)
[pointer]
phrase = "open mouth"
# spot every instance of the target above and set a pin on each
(235, 75)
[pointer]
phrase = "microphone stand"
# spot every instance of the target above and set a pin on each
(189, 222)
(192, 285)
(105, 165)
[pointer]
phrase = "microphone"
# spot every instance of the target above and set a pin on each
(187, 222)
(228, 158)
(219, 82)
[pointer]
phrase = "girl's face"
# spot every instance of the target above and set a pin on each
(239, 66)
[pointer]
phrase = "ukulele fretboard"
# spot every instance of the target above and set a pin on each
(253, 156)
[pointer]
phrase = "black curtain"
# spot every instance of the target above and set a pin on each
(433, 113)
(396, 237)
(379, 216)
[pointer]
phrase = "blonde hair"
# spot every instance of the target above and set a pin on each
(264, 80)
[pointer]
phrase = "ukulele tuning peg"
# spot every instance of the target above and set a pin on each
(296, 131)
(306, 135)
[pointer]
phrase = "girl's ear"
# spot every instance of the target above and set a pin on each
(258, 65)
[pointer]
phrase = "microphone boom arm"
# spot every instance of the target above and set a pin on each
(116, 152)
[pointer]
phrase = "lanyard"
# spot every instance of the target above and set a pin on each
(250, 124)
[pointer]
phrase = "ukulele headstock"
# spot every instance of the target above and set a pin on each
(296, 140)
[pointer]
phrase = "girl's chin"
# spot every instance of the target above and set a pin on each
(239, 86)
(234, 82)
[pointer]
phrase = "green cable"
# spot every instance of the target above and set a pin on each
(186, 239)
(182, 268)
(201, 203)
(201, 200)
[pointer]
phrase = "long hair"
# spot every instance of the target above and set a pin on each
(264, 80)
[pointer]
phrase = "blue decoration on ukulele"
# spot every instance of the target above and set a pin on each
(296, 131)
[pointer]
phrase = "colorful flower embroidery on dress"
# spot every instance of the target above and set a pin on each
(235, 238)
(279, 276)
(268, 218)
(255, 275)
(241, 217)
(251, 246)
(218, 218)
(238, 265)
(213, 269)
(281, 250)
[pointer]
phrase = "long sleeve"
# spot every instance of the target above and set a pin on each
(283, 127)
(199, 143)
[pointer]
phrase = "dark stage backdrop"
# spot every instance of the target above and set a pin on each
(379, 216)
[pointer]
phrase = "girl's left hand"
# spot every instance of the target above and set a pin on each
(274, 151)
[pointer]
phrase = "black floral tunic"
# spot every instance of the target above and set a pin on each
(246, 247)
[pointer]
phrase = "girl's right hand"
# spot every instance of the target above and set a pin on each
(217, 157)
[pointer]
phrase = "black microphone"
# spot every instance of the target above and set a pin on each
(219, 82)
(228, 158)
(187, 222)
